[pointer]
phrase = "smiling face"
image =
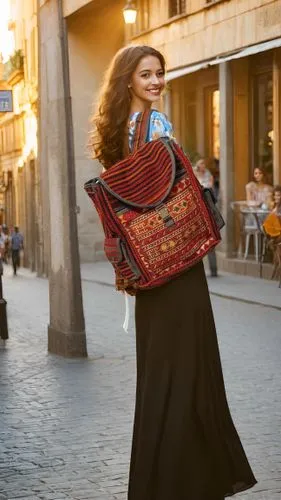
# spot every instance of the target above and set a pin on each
(147, 83)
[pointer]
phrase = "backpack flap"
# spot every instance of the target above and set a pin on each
(145, 178)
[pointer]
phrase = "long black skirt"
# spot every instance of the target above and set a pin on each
(185, 445)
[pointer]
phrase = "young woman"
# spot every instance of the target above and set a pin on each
(185, 446)
(272, 223)
(277, 200)
(258, 190)
(272, 227)
(203, 175)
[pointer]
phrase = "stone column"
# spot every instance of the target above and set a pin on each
(66, 331)
(42, 161)
(277, 117)
(226, 155)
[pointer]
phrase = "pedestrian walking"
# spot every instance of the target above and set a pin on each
(185, 445)
(16, 246)
(206, 180)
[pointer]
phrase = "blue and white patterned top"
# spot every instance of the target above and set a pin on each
(159, 127)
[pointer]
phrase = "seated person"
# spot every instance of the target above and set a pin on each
(257, 191)
(272, 227)
(277, 200)
(272, 223)
(203, 175)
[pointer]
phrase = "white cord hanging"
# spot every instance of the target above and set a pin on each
(127, 313)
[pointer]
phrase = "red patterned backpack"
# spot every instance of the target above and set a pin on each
(157, 219)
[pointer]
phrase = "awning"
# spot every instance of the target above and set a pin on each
(248, 51)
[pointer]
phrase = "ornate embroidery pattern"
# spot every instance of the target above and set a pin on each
(156, 243)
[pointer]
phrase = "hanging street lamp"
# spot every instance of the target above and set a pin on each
(130, 12)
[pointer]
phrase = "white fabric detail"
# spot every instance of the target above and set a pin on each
(127, 313)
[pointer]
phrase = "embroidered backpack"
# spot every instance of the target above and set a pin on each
(157, 219)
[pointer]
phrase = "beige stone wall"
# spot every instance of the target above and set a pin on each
(94, 35)
(20, 159)
(71, 6)
(210, 31)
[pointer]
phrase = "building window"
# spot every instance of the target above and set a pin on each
(263, 123)
(177, 7)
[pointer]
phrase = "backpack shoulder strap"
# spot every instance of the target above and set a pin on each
(141, 131)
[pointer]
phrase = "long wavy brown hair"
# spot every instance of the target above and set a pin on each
(110, 122)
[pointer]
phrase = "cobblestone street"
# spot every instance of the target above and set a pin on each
(66, 424)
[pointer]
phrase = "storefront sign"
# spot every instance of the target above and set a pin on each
(6, 101)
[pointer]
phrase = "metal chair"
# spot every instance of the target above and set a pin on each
(249, 226)
(251, 220)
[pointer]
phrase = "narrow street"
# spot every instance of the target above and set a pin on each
(65, 424)
(77, 80)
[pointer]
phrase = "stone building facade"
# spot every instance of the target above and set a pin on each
(224, 91)
(223, 95)
(18, 132)
(95, 31)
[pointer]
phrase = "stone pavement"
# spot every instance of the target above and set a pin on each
(246, 289)
(233, 286)
(66, 424)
